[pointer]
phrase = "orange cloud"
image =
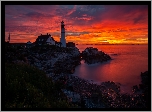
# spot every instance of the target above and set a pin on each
(83, 24)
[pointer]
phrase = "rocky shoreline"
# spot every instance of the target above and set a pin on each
(92, 55)
(59, 64)
(105, 95)
(58, 60)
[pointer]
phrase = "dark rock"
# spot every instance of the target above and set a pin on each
(92, 55)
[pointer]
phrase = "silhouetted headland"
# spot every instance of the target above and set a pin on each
(60, 62)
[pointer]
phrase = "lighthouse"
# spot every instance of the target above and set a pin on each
(62, 39)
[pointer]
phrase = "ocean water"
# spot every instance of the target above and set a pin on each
(128, 61)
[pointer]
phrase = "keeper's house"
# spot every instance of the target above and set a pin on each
(45, 39)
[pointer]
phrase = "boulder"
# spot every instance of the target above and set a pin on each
(92, 55)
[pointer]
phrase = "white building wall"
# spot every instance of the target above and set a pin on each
(50, 41)
(62, 39)
(53, 42)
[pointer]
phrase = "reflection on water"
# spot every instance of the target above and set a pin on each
(125, 68)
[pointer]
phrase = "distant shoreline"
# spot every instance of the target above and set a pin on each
(86, 44)
(111, 44)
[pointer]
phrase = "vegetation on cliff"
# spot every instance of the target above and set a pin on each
(29, 87)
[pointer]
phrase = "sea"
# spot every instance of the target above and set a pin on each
(128, 61)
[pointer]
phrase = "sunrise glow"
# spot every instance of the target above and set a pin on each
(84, 24)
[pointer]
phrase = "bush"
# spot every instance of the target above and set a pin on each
(29, 87)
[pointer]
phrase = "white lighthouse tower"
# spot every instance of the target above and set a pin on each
(62, 39)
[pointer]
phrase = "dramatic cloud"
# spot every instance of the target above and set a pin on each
(84, 23)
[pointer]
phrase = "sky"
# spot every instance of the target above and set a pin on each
(84, 24)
